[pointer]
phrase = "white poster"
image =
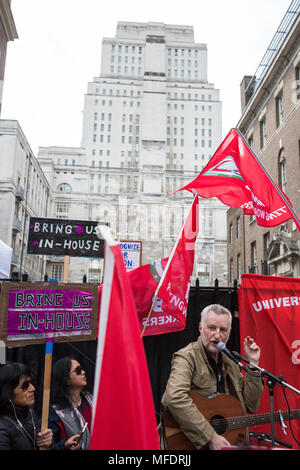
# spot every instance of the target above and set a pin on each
(132, 253)
(5, 260)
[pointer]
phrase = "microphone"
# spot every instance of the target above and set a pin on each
(222, 348)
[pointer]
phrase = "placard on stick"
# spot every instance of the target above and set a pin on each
(64, 237)
(32, 313)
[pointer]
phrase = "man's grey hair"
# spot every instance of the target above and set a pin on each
(216, 308)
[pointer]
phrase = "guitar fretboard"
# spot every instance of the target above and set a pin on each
(237, 422)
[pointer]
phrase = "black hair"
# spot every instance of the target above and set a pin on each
(60, 392)
(10, 375)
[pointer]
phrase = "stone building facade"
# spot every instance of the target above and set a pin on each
(270, 122)
(24, 193)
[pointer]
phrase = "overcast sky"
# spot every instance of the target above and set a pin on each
(59, 51)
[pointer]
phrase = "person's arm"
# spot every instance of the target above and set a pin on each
(5, 435)
(254, 384)
(59, 437)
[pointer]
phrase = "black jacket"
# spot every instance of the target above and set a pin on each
(13, 436)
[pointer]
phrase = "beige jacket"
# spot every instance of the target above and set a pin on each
(190, 372)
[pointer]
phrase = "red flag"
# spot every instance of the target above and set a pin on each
(164, 284)
(236, 177)
(174, 285)
(123, 412)
(144, 281)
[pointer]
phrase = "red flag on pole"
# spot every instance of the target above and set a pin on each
(123, 411)
(174, 285)
(162, 287)
(144, 281)
(236, 177)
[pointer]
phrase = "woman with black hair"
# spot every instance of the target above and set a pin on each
(70, 414)
(18, 423)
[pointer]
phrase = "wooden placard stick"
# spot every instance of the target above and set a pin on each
(47, 386)
(48, 363)
(66, 269)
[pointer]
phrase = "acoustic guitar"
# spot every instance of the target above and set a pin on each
(227, 417)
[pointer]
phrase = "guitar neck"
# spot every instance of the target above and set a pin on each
(253, 420)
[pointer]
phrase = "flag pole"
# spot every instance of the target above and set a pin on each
(166, 268)
(280, 193)
(104, 233)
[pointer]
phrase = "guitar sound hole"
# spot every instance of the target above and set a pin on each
(219, 424)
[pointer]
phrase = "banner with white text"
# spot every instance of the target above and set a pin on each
(269, 311)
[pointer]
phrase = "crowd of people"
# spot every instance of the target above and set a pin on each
(200, 367)
(70, 412)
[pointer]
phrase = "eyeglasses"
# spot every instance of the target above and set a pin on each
(78, 370)
(26, 384)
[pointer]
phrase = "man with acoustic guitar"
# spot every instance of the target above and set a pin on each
(201, 370)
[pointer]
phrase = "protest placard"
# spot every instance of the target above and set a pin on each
(38, 312)
(64, 237)
(5, 260)
(132, 253)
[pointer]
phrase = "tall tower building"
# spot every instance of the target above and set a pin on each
(152, 104)
(151, 122)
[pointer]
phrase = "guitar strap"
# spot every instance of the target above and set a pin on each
(161, 430)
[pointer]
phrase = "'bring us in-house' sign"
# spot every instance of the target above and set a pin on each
(37, 312)
(64, 237)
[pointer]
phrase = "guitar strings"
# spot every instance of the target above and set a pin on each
(222, 424)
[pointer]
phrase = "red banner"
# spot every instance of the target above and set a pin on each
(269, 311)
(123, 411)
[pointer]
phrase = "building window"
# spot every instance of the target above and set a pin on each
(64, 188)
(238, 266)
(253, 267)
(279, 110)
(62, 207)
(238, 227)
(266, 241)
(250, 141)
(57, 272)
(230, 233)
(282, 171)
(297, 84)
(231, 273)
(263, 132)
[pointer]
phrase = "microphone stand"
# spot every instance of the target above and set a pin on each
(267, 438)
(272, 380)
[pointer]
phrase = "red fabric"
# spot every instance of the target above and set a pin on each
(87, 414)
(144, 281)
(269, 311)
(234, 176)
(174, 290)
(124, 410)
(62, 432)
(170, 309)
